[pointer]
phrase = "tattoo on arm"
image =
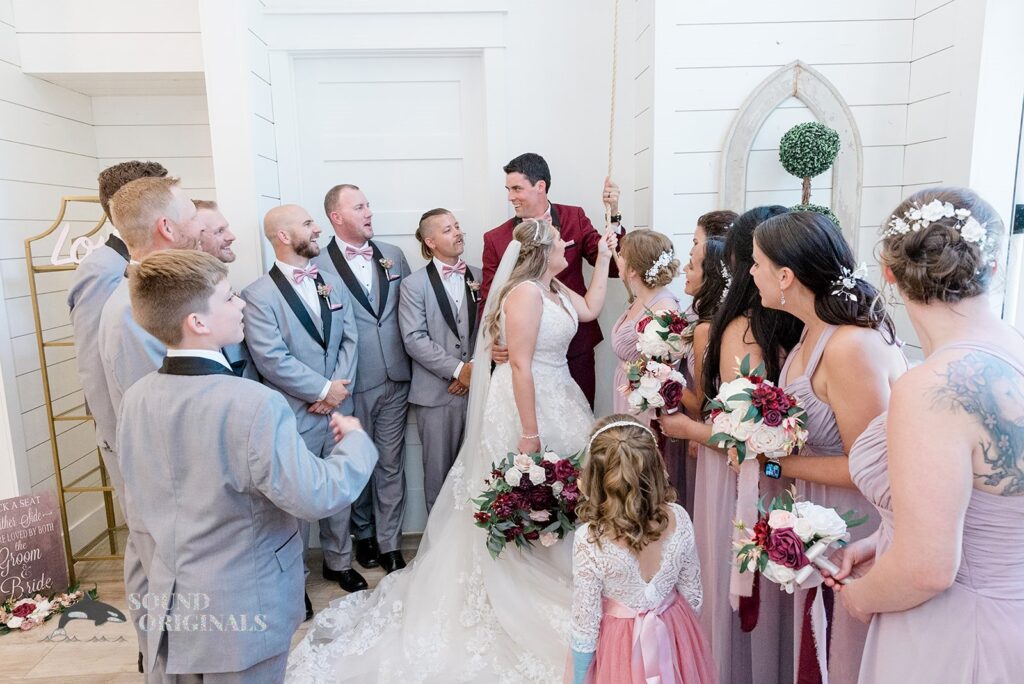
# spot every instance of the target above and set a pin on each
(988, 389)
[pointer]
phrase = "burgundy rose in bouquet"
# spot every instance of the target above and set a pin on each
(28, 612)
(653, 385)
(528, 498)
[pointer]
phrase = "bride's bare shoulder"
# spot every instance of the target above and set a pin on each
(524, 297)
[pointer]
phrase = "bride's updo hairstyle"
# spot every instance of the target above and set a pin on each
(651, 255)
(536, 237)
(624, 484)
(814, 249)
(939, 252)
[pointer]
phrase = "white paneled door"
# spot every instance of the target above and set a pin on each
(409, 131)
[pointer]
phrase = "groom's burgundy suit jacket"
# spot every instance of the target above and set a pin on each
(575, 228)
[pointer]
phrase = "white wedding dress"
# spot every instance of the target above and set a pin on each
(455, 614)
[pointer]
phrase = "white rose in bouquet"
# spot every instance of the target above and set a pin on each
(732, 388)
(551, 456)
(780, 574)
(804, 529)
(523, 463)
(770, 441)
(779, 519)
(651, 344)
(650, 389)
(725, 422)
(537, 474)
(827, 524)
(513, 476)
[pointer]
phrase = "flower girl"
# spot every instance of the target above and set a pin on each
(636, 577)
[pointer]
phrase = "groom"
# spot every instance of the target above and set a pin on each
(438, 318)
(528, 180)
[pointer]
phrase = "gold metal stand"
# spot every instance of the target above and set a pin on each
(75, 414)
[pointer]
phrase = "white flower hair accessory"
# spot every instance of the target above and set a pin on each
(661, 262)
(728, 281)
(917, 218)
(845, 285)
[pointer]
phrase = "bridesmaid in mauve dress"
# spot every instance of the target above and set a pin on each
(753, 644)
(944, 582)
(840, 372)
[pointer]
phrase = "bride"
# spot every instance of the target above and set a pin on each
(455, 614)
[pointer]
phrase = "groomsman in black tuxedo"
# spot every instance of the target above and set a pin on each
(301, 331)
(372, 272)
(438, 318)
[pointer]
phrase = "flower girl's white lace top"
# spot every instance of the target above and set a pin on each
(611, 571)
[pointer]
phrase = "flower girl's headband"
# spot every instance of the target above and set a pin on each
(621, 423)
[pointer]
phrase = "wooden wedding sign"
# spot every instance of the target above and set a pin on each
(32, 559)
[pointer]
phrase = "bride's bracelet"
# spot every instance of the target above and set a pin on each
(529, 436)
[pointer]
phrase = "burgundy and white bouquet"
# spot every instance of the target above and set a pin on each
(753, 415)
(528, 498)
(653, 385)
(790, 539)
(660, 335)
(25, 613)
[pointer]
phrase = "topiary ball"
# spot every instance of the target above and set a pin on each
(824, 211)
(808, 149)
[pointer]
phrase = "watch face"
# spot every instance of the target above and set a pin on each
(773, 469)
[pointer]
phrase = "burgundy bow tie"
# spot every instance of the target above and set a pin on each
(300, 273)
(365, 252)
(460, 268)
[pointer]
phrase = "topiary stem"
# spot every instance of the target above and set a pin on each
(805, 197)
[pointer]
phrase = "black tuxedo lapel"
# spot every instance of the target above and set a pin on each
(442, 297)
(325, 310)
(297, 307)
(382, 276)
(117, 244)
(349, 278)
(471, 301)
(193, 365)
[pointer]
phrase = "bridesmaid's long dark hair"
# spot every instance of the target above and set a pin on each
(810, 245)
(775, 332)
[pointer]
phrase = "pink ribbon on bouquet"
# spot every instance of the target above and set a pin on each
(742, 584)
(653, 651)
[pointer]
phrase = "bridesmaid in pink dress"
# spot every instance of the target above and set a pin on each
(646, 273)
(841, 372)
(753, 644)
(944, 582)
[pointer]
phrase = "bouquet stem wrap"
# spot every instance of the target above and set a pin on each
(742, 584)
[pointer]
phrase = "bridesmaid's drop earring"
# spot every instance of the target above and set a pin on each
(782, 298)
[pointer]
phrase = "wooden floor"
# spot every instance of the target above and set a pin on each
(109, 653)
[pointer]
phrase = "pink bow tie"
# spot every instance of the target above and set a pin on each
(300, 273)
(459, 268)
(546, 216)
(365, 252)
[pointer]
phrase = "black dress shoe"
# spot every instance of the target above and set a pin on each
(391, 561)
(348, 579)
(309, 607)
(141, 671)
(368, 553)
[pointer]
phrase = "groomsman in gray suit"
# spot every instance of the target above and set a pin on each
(438, 318)
(152, 213)
(301, 330)
(223, 459)
(99, 274)
(372, 272)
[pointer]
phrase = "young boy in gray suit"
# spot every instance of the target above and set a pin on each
(216, 474)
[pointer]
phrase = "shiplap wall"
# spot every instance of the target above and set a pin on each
(268, 186)
(171, 129)
(47, 150)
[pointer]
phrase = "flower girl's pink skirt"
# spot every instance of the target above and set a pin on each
(661, 646)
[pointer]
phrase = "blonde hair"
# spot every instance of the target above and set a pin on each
(641, 249)
(170, 284)
(138, 205)
(624, 485)
(205, 204)
(536, 238)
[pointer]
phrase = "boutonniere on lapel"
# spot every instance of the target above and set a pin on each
(325, 290)
(388, 264)
(474, 290)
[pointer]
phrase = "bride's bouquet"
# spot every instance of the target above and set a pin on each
(790, 539)
(752, 414)
(653, 385)
(528, 498)
(660, 335)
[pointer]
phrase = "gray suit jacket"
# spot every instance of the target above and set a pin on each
(216, 474)
(426, 316)
(279, 332)
(94, 280)
(127, 351)
(381, 352)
